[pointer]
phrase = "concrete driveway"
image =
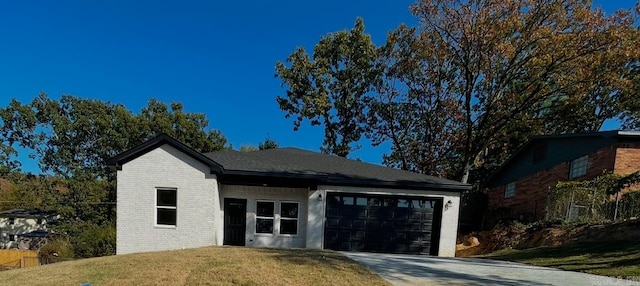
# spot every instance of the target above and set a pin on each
(428, 270)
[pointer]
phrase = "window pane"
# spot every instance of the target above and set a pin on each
(264, 225)
(428, 204)
(289, 210)
(289, 226)
(579, 167)
(390, 202)
(347, 201)
(264, 209)
(167, 198)
(334, 201)
(403, 203)
(375, 202)
(510, 190)
(361, 201)
(166, 217)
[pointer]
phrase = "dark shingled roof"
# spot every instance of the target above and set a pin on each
(329, 169)
(26, 213)
(295, 166)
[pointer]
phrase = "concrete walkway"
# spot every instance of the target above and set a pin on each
(428, 270)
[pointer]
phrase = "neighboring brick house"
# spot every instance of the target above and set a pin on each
(522, 184)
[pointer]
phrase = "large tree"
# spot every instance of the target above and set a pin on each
(78, 135)
(473, 81)
(517, 59)
(418, 116)
(328, 88)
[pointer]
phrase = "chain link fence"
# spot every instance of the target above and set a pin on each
(593, 201)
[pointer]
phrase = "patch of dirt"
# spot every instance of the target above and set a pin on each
(520, 236)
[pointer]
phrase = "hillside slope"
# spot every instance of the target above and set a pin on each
(202, 266)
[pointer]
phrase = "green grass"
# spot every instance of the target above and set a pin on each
(203, 266)
(618, 259)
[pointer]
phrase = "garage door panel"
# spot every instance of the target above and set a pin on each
(415, 215)
(379, 223)
(360, 224)
(401, 214)
(373, 224)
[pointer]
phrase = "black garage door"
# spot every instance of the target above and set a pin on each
(371, 223)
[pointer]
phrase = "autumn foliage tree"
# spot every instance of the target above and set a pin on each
(476, 78)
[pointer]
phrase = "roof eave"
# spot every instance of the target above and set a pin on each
(119, 160)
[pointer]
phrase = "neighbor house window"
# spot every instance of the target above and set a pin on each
(579, 167)
(510, 190)
(288, 218)
(264, 217)
(12, 237)
(166, 206)
(539, 153)
(12, 221)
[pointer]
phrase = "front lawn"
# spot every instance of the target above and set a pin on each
(203, 266)
(617, 259)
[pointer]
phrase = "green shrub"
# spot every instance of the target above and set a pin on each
(95, 240)
(58, 247)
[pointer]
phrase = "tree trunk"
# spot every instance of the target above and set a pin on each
(465, 173)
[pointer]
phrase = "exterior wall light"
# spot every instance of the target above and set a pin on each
(448, 205)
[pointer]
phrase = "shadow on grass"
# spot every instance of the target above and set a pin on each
(580, 257)
(311, 257)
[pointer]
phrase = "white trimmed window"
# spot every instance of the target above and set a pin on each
(166, 207)
(510, 190)
(579, 167)
(265, 216)
(289, 218)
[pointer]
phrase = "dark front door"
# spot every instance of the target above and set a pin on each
(235, 220)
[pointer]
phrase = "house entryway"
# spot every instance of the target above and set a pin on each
(235, 221)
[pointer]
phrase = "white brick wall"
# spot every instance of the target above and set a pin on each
(197, 202)
(448, 231)
(253, 194)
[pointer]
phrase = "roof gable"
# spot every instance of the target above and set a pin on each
(156, 142)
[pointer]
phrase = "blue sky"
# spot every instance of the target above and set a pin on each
(216, 57)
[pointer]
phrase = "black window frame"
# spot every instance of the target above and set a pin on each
(263, 217)
(170, 206)
(289, 219)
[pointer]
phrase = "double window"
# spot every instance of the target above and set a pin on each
(287, 217)
(579, 167)
(166, 207)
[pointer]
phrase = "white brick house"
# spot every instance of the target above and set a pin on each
(172, 197)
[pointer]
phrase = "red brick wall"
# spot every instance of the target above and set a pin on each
(627, 159)
(531, 191)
